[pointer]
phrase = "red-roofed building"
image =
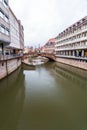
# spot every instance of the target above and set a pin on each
(49, 47)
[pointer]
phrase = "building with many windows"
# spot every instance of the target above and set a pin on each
(49, 47)
(71, 45)
(16, 39)
(11, 30)
(72, 42)
(11, 40)
(21, 35)
(4, 25)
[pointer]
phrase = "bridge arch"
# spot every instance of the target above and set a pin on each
(51, 57)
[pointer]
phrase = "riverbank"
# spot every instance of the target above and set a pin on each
(7, 66)
(77, 63)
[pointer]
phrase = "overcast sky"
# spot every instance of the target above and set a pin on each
(44, 19)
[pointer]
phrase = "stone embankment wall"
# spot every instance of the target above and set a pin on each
(76, 63)
(8, 66)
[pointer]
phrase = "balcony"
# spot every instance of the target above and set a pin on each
(9, 57)
(73, 41)
(3, 22)
(72, 48)
(72, 57)
(73, 34)
(4, 38)
(4, 8)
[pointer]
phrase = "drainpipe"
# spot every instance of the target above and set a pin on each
(3, 51)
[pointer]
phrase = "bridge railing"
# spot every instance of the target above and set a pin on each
(49, 55)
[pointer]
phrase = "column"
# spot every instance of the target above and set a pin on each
(82, 53)
(73, 53)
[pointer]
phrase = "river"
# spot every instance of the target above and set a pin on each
(51, 96)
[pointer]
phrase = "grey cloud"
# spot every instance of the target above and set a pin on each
(45, 19)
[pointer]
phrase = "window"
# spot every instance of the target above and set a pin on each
(86, 42)
(5, 3)
(84, 34)
(6, 18)
(2, 29)
(7, 31)
(1, 14)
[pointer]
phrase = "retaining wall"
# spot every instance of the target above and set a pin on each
(8, 66)
(76, 63)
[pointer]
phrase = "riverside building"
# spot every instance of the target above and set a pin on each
(71, 44)
(11, 40)
(16, 34)
(4, 25)
(49, 47)
(11, 31)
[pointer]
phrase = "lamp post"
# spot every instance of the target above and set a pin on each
(39, 48)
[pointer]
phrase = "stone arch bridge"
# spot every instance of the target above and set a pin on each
(50, 56)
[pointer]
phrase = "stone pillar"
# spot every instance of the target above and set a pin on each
(77, 53)
(83, 53)
(73, 53)
(69, 53)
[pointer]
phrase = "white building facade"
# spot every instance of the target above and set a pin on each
(16, 39)
(14, 30)
(11, 31)
(4, 25)
(21, 35)
(72, 42)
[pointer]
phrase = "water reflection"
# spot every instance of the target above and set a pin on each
(70, 74)
(12, 94)
(53, 101)
(52, 96)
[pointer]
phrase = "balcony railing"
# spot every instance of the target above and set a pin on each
(72, 57)
(73, 34)
(73, 41)
(4, 37)
(8, 57)
(72, 48)
(4, 8)
(6, 24)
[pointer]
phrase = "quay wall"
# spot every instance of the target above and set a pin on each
(75, 63)
(8, 66)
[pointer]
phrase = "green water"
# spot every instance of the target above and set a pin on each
(49, 97)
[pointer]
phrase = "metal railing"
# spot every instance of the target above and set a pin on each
(73, 34)
(12, 56)
(72, 57)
